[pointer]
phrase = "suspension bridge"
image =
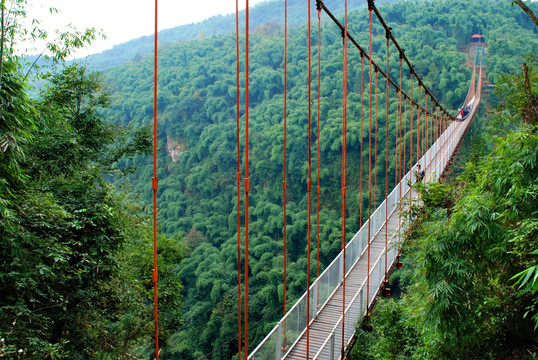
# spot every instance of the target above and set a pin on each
(372, 253)
(321, 324)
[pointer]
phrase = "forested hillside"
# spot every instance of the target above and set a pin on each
(197, 194)
(469, 285)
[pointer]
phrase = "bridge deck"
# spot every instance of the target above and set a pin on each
(328, 317)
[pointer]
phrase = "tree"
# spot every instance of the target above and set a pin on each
(68, 291)
(527, 10)
(16, 125)
(468, 243)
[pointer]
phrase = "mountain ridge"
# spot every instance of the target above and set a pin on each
(260, 14)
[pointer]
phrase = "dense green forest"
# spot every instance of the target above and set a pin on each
(75, 252)
(75, 178)
(197, 193)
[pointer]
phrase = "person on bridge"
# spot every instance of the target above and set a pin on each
(420, 173)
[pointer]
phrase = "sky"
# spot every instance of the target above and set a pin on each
(123, 20)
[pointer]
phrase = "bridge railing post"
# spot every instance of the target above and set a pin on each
(315, 298)
(341, 267)
(278, 342)
(331, 347)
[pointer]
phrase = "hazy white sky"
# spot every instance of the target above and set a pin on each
(123, 20)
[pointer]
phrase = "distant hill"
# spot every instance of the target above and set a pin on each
(268, 12)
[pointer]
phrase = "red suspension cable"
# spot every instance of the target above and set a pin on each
(369, 170)
(387, 161)
(400, 128)
(411, 105)
(437, 136)
(318, 188)
(375, 137)
(430, 129)
(238, 180)
(362, 139)
(155, 186)
(247, 179)
(425, 138)
(418, 125)
(400, 160)
(398, 137)
(284, 169)
(344, 171)
(309, 185)
(404, 138)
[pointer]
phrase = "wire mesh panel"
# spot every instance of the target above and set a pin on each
(329, 281)
(270, 347)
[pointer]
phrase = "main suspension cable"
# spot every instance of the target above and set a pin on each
(400, 49)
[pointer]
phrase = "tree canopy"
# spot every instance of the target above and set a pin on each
(75, 249)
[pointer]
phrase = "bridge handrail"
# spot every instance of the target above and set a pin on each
(362, 234)
(379, 267)
(314, 288)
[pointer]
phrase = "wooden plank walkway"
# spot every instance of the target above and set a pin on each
(332, 311)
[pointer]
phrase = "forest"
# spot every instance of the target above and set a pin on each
(76, 191)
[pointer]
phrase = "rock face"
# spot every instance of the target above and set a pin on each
(174, 148)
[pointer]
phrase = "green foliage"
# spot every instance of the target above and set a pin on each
(16, 124)
(471, 243)
(74, 263)
(388, 334)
